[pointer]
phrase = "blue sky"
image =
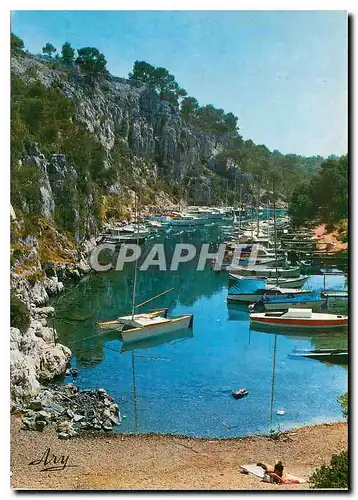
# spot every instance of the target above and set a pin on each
(283, 73)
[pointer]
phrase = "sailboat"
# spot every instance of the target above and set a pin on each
(136, 327)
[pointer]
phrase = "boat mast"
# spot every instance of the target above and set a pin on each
(252, 220)
(257, 210)
(137, 242)
(240, 207)
(275, 230)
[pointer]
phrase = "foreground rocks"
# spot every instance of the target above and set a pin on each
(35, 356)
(72, 410)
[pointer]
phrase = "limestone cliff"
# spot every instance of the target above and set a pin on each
(120, 113)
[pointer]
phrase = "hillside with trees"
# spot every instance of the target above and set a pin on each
(208, 147)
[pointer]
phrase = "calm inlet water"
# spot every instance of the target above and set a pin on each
(182, 383)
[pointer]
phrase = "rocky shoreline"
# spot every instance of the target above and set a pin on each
(36, 357)
(72, 410)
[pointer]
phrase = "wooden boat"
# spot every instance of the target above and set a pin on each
(268, 272)
(282, 282)
(141, 326)
(259, 293)
(335, 356)
(299, 318)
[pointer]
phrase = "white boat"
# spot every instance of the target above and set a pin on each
(207, 213)
(122, 238)
(281, 282)
(179, 219)
(125, 234)
(299, 319)
(288, 282)
(142, 326)
(259, 293)
(156, 225)
(268, 272)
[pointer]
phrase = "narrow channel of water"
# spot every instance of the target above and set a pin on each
(183, 385)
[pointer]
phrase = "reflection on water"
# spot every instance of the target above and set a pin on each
(182, 382)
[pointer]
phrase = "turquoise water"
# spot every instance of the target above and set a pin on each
(184, 384)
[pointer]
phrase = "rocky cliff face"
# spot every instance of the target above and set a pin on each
(119, 114)
(119, 108)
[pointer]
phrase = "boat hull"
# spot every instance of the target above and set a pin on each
(299, 323)
(267, 273)
(145, 332)
(330, 356)
(277, 305)
(289, 283)
(253, 297)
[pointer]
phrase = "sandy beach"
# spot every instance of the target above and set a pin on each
(152, 462)
(323, 236)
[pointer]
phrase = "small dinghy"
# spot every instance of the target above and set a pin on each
(240, 393)
(300, 319)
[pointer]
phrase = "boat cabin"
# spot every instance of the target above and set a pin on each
(290, 313)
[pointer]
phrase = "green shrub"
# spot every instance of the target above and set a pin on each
(19, 314)
(333, 476)
(343, 401)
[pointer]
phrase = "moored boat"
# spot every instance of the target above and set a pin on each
(268, 272)
(281, 282)
(334, 356)
(164, 338)
(141, 326)
(276, 303)
(335, 294)
(260, 293)
(299, 318)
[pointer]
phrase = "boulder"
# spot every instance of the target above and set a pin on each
(39, 294)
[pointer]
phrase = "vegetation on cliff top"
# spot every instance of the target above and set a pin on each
(324, 196)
